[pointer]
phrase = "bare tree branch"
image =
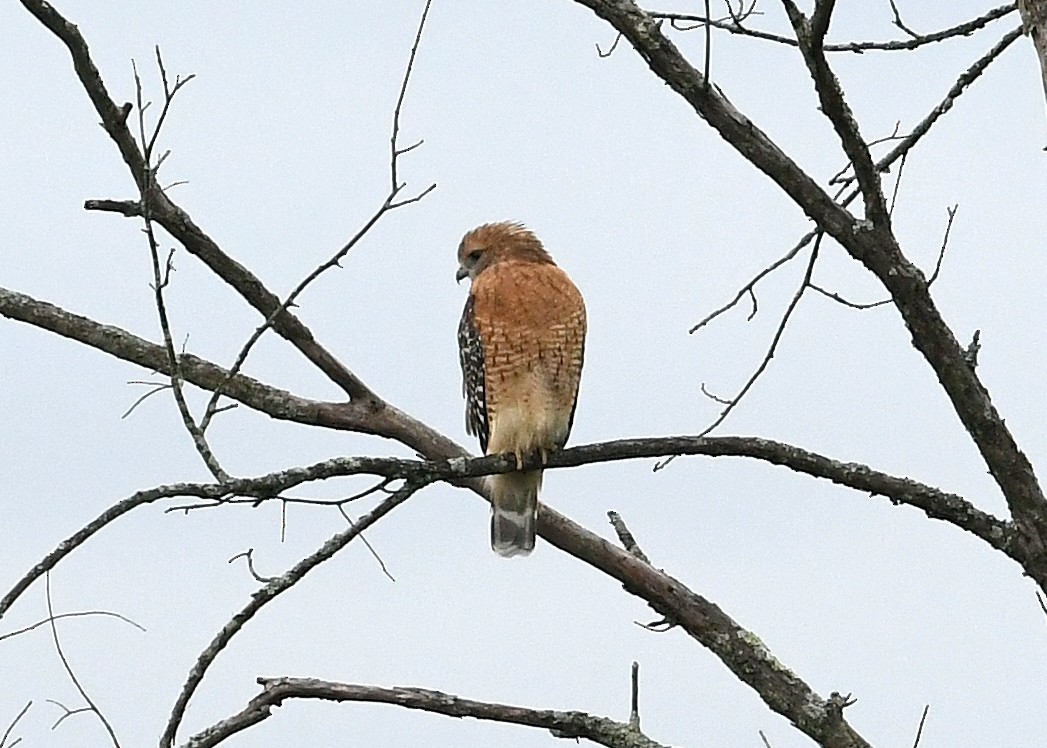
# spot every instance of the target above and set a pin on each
(1034, 23)
(749, 288)
(962, 83)
(625, 537)
(571, 725)
(919, 729)
(283, 405)
(634, 711)
(732, 403)
(899, 152)
(810, 35)
(378, 418)
(91, 706)
(161, 276)
(733, 25)
(11, 727)
(76, 614)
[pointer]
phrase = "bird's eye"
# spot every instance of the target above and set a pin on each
(473, 256)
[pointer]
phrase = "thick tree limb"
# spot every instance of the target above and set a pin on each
(878, 250)
(1034, 21)
(377, 418)
(275, 691)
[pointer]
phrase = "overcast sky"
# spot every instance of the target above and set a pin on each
(283, 140)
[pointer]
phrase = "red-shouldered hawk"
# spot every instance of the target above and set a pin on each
(520, 341)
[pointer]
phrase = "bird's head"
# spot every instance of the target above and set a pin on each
(494, 242)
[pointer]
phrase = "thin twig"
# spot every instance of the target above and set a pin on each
(899, 23)
(919, 730)
(11, 727)
(249, 555)
(395, 152)
(930, 281)
(748, 287)
(708, 45)
(389, 203)
(367, 544)
(846, 302)
(945, 243)
(733, 403)
(169, 93)
(610, 50)
(625, 537)
(77, 614)
(157, 387)
(161, 276)
(714, 398)
(634, 710)
(68, 669)
(897, 185)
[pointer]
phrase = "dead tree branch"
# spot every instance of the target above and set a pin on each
(162, 274)
(570, 725)
(732, 403)
(11, 727)
(733, 25)
(91, 706)
(810, 34)
(76, 614)
(1034, 24)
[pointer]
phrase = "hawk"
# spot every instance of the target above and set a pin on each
(520, 342)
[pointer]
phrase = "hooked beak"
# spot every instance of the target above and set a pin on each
(461, 274)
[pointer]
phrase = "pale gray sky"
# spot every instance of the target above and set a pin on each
(283, 138)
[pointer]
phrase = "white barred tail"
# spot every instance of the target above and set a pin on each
(514, 512)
